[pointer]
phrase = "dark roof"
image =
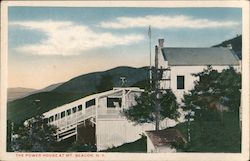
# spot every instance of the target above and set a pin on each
(200, 56)
(164, 137)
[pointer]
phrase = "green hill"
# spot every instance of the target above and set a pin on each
(78, 87)
(87, 83)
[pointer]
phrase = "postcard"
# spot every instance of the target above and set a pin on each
(125, 80)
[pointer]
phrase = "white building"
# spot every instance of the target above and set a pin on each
(96, 119)
(180, 63)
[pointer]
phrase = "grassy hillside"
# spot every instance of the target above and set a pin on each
(81, 86)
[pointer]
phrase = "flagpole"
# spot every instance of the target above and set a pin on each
(150, 64)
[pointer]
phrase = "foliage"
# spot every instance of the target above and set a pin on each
(35, 136)
(230, 88)
(214, 90)
(215, 102)
(9, 130)
(144, 111)
(214, 137)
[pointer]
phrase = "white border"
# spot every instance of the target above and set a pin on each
(244, 155)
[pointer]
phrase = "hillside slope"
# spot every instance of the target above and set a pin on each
(78, 87)
(87, 83)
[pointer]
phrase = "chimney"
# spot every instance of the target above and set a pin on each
(161, 43)
(229, 46)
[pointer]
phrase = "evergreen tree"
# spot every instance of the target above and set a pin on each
(35, 136)
(144, 111)
(213, 90)
(214, 95)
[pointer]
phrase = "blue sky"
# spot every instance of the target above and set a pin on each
(53, 44)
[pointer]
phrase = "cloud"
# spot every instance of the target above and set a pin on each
(164, 22)
(66, 38)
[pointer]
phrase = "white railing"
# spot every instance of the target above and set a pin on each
(107, 113)
(74, 119)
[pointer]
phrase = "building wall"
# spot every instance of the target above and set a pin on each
(112, 129)
(189, 80)
(185, 71)
(115, 132)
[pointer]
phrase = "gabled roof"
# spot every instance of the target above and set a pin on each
(200, 56)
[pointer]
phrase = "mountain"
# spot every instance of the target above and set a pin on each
(76, 88)
(49, 88)
(236, 43)
(18, 92)
(87, 83)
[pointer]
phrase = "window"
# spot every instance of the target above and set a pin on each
(63, 114)
(51, 118)
(68, 112)
(90, 103)
(74, 109)
(79, 108)
(114, 102)
(57, 117)
(180, 82)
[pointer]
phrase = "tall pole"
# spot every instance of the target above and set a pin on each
(157, 91)
(150, 64)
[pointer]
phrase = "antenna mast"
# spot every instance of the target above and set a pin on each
(150, 64)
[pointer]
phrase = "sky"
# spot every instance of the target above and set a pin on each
(48, 45)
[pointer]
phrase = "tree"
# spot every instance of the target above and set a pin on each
(145, 112)
(214, 94)
(229, 84)
(214, 90)
(106, 83)
(9, 135)
(35, 136)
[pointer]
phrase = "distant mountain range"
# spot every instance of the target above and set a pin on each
(55, 95)
(19, 92)
(76, 88)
